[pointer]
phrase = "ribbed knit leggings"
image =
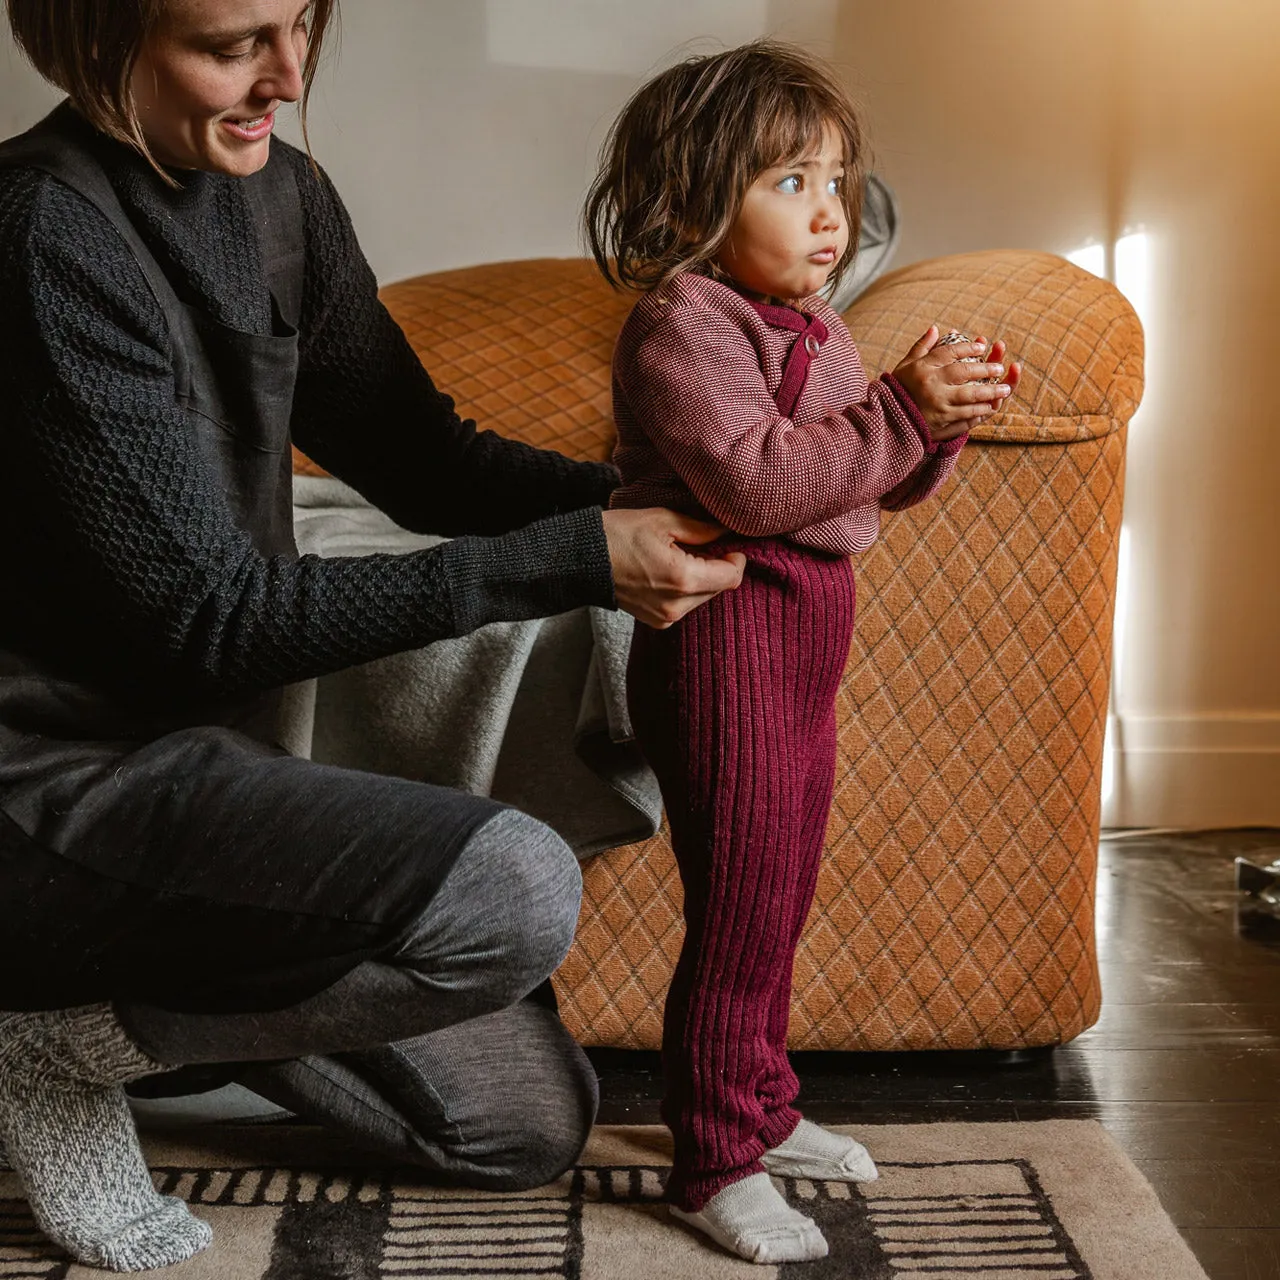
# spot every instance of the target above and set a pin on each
(734, 707)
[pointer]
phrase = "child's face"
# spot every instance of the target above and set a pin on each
(790, 231)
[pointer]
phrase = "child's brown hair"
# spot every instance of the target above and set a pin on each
(679, 159)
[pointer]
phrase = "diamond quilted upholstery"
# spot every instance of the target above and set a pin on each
(523, 347)
(955, 906)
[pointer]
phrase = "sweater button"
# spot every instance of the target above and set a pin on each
(811, 344)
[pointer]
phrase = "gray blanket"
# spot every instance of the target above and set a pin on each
(531, 713)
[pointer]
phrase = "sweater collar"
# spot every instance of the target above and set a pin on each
(788, 318)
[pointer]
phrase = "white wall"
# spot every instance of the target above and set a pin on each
(1053, 126)
(464, 131)
(24, 97)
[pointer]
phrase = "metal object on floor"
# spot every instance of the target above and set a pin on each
(1258, 881)
(1258, 916)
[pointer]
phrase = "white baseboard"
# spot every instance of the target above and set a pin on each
(1192, 771)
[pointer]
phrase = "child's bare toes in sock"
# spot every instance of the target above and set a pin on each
(815, 1152)
(750, 1218)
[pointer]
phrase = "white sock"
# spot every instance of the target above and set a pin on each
(751, 1219)
(815, 1152)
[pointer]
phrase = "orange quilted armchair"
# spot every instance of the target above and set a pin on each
(955, 908)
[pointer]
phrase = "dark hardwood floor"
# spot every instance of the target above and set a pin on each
(1183, 1068)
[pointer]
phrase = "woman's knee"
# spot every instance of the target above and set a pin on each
(542, 891)
(546, 1145)
(497, 1141)
(510, 907)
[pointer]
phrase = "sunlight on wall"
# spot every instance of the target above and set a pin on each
(1130, 272)
(1119, 632)
(1092, 257)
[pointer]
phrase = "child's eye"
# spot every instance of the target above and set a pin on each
(835, 186)
(791, 184)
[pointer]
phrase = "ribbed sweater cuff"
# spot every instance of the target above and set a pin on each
(546, 568)
(912, 410)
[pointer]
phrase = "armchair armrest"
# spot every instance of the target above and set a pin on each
(1078, 339)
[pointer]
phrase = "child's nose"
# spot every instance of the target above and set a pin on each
(827, 216)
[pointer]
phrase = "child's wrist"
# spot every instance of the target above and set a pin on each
(946, 448)
(912, 410)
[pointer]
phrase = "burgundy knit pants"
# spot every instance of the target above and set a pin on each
(734, 707)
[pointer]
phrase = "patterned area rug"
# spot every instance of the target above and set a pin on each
(1054, 1200)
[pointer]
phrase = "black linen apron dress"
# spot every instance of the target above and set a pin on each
(172, 854)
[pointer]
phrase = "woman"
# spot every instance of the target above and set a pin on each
(179, 297)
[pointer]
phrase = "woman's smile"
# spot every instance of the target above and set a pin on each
(252, 130)
(211, 76)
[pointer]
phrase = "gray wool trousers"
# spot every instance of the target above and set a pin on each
(433, 1055)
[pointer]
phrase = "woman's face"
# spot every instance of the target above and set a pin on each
(210, 77)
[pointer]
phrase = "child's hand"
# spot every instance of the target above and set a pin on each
(951, 393)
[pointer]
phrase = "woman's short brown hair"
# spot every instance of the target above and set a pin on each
(679, 159)
(89, 48)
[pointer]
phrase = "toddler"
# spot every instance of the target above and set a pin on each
(729, 193)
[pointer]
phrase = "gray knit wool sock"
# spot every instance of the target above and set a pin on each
(69, 1135)
(750, 1218)
(814, 1152)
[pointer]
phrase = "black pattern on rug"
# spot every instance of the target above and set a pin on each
(956, 1220)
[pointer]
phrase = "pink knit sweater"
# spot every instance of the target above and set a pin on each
(761, 417)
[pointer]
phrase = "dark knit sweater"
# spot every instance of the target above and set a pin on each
(120, 561)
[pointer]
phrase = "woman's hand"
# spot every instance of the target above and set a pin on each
(951, 392)
(653, 577)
